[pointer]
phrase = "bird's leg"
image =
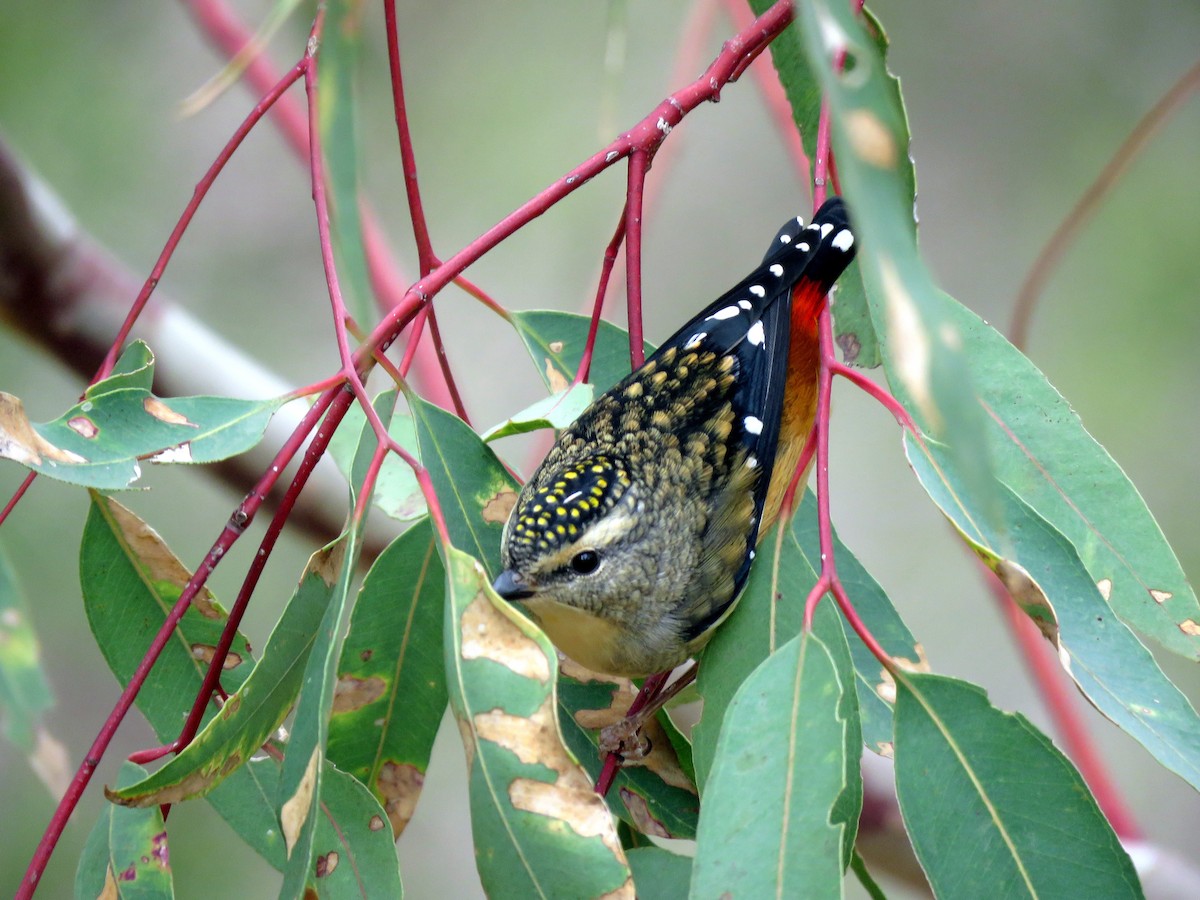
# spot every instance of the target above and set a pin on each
(624, 738)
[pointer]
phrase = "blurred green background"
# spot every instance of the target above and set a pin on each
(1015, 107)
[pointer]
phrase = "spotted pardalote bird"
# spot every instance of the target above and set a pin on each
(635, 536)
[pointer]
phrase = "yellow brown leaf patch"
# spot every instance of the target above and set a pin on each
(499, 507)
(153, 556)
(295, 809)
(535, 740)
(164, 413)
(489, 634)
(353, 693)
(21, 443)
(399, 785)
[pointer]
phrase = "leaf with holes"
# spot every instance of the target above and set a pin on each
(101, 441)
(921, 348)
(532, 807)
(992, 807)
(556, 340)
(126, 854)
(784, 741)
(301, 775)
(1042, 571)
(353, 852)
(391, 689)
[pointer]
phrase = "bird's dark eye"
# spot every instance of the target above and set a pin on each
(585, 562)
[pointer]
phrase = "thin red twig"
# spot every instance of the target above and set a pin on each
(1143, 132)
(639, 164)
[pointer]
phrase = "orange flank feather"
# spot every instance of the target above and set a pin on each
(800, 394)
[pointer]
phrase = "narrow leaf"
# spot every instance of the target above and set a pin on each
(1041, 451)
(921, 349)
(301, 776)
(391, 689)
(783, 743)
(337, 113)
(539, 828)
(258, 707)
(24, 689)
(130, 580)
(992, 807)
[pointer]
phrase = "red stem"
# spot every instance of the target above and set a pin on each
(639, 163)
(610, 259)
(408, 159)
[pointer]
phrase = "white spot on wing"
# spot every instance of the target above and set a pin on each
(843, 240)
(694, 341)
(785, 239)
(758, 290)
(745, 304)
(727, 313)
(755, 335)
(802, 246)
(753, 424)
(825, 229)
(777, 270)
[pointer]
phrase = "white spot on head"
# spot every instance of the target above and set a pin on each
(753, 424)
(777, 270)
(825, 229)
(758, 290)
(727, 313)
(803, 247)
(745, 304)
(785, 239)
(843, 240)
(756, 335)
(751, 461)
(694, 341)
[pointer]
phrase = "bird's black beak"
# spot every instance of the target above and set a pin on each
(511, 586)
